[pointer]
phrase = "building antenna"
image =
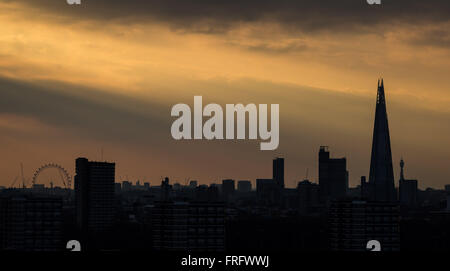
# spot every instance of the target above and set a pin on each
(306, 176)
(101, 153)
(23, 178)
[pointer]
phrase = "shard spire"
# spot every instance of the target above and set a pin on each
(381, 175)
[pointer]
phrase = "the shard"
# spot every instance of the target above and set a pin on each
(381, 177)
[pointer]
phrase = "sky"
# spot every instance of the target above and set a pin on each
(76, 80)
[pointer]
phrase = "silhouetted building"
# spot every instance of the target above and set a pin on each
(432, 199)
(206, 193)
(206, 227)
(176, 186)
(244, 186)
(447, 187)
(289, 199)
(31, 223)
(278, 171)
(166, 189)
(381, 177)
(127, 186)
(352, 223)
(170, 225)
(268, 192)
(308, 196)
(38, 187)
(193, 184)
(407, 189)
(94, 194)
(117, 188)
(183, 226)
(333, 176)
(228, 188)
(365, 188)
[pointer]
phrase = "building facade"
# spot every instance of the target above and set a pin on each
(278, 171)
(31, 223)
(353, 223)
(333, 176)
(94, 195)
(188, 226)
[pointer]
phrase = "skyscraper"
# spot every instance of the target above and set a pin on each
(333, 176)
(94, 194)
(228, 188)
(278, 171)
(407, 189)
(381, 177)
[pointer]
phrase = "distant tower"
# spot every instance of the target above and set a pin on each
(407, 189)
(94, 196)
(333, 176)
(381, 177)
(278, 171)
(165, 189)
(402, 165)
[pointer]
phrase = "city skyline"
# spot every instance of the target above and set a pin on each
(380, 121)
(76, 80)
(224, 133)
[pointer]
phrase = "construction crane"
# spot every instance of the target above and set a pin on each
(17, 177)
(14, 182)
(23, 178)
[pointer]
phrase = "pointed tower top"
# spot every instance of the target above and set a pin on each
(380, 93)
(381, 170)
(402, 165)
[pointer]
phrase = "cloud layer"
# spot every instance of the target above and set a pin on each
(220, 15)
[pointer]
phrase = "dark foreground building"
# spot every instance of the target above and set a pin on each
(30, 223)
(352, 223)
(188, 226)
(94, 195)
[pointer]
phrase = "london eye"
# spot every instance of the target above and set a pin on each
(63, 175)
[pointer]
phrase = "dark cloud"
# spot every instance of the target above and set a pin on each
(86, 112)
(436, 38)
(278, 49)
(211, 16)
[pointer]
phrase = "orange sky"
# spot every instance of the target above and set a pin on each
(114, 81)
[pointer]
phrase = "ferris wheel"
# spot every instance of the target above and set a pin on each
(63, 174)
